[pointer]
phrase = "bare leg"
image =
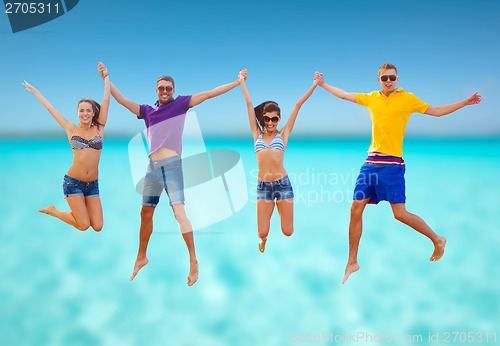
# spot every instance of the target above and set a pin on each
(78, 217)
(94, 209)
(145, 234)
(285, 209)
(187, 234)
(355, 230)
(419, 225)
(264, 211)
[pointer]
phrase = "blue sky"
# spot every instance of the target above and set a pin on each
(444, 52)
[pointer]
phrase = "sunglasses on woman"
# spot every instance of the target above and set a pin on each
(385, 77)
(273, 119)
(163, 88)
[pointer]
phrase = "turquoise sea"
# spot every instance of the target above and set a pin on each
(60, 286)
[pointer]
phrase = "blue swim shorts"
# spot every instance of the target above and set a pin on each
(164, 174)
(381, 182)
(75, 187)
(277, 189)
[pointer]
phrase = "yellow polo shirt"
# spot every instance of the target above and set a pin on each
(389, 117)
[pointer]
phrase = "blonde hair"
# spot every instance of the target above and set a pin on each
(387, 66)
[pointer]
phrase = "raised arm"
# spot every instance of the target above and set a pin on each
(129, 104)
(103, 113)
(196, 99)
(344, 95)
(254, 126)
(447, 109)
(67, 125)
(295, 111)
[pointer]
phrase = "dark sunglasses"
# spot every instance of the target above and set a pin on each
(167, 88)
(385, 77)
(273, 119)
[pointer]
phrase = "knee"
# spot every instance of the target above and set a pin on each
(400, 215)
(83, 225)
(263, 232)
(356, 210)
(147, 213)
(287, 230)
(180, 216)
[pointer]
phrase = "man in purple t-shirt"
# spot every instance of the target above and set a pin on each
(165, 123)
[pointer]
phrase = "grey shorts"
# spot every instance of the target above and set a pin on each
(164, 174)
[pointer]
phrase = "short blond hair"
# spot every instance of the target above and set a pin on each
(387, 66)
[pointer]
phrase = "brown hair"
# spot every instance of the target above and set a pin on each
(387, 66)
(265, 107)
(166, 78)
(95, 107)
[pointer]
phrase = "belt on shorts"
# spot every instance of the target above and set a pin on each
(384, 160)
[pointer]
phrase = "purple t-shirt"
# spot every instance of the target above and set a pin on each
(165, 123)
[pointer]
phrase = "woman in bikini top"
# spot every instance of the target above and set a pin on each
(269, 147)
(80, 185)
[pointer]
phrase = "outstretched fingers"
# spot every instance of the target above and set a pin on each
(28, 86)
(474, 99)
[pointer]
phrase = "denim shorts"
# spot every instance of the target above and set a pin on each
(381, 183)
(277, 189)
(163, 174)
(75, 187)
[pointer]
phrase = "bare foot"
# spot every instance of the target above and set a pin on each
(47, 210)
(349, 269)
(139, 263)
(262, 244)
(438, 249)
(193, 274)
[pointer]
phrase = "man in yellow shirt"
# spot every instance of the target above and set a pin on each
(382, 175)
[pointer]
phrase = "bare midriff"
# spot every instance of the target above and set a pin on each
(270, 162)
(85, 165)
(163, 153)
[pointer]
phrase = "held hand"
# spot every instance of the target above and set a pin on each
(29, 87)
(242, 76)
(103, 71)
(318, 78)
(474, 99)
